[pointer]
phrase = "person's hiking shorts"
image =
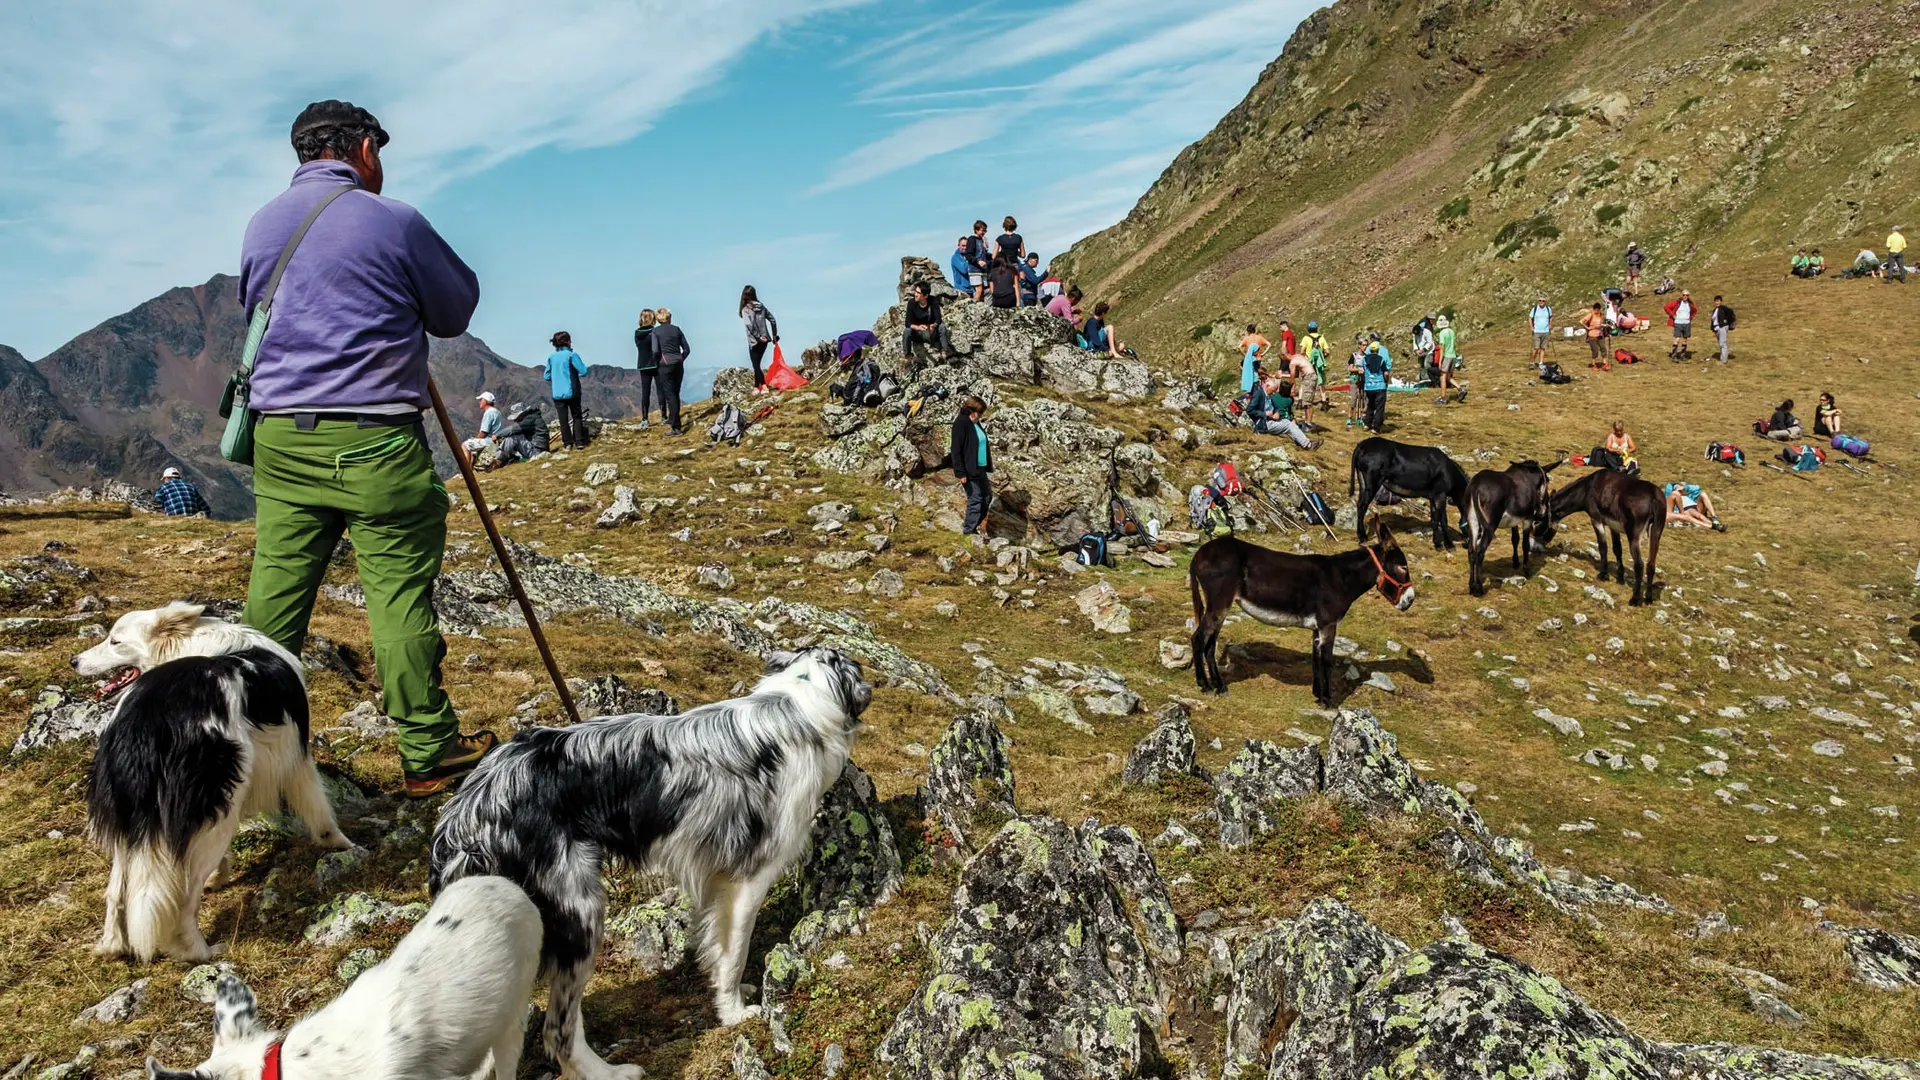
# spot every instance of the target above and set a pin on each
(1683, 330)
(1540, 341)
(976, 280)
(1306, 387)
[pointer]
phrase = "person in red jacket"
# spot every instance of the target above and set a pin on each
(1680, 316)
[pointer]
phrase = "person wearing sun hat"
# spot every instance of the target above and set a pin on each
(178, 497)
(1448, 358)
(339, 386)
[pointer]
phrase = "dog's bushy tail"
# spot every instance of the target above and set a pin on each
(151, 894)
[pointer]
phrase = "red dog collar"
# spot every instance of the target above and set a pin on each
(271, 1070)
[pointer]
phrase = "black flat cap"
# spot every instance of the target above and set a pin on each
(325, 114)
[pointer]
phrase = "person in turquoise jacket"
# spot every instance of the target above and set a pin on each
(1375, 364)
(565, 371)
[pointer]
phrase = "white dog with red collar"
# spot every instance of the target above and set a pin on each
(451, 1001)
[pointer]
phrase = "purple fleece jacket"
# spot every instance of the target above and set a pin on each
(351, 318)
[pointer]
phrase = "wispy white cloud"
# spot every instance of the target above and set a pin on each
(141, 133)
(1116, 66)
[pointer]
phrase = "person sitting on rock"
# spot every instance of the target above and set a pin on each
(1030, 280)
(490, 425)
(1004, 280)
(1270, 406)
(961, 267)
(178, 497)
(1100, 334)
(1066, 305)
(925, 324)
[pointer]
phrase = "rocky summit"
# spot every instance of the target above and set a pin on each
(1539, 832)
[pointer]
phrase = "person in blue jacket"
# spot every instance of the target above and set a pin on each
(960, 266)
(1375, 364)
(565, 370)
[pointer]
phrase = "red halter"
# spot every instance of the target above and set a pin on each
(1387, 581)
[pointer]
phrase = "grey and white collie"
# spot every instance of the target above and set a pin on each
(209, 730)
(721, 798)
(450, 1001)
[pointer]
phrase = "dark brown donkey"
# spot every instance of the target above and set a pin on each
(1282, 589)
(1623, 506)
(1513, 498)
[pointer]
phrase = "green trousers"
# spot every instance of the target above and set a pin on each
(378, 486)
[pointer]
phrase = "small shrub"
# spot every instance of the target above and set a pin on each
(1201, 332)
(1515, 235)
(1688, 104)
(1455, 209)
(1610, 213)
(1749, 63)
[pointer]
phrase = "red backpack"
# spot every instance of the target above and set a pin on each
(1623, 356)
(1226, 479)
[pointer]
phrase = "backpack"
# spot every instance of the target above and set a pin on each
(1376, 362)
(1804, 458)
(729, 426)
(1199, 501)
(1623, 356)
(1725, 453)
(1226, 479)
(1120, 519)
(1316, 509)
(1092, 551)
(1665, 286)
(1852, 445)
(1238, 406)
(530, 425)
(1761, 427)
(1550, 373)
(1217, 523)
(1603, 458)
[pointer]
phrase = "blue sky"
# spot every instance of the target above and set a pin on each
(593, 157)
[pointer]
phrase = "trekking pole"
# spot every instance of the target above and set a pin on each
(500, 551)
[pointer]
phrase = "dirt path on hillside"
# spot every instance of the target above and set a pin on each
(1139, 258)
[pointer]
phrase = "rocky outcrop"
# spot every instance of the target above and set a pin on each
(654, 933)
(609, 695)
(1336, 997)
(854, 858)
(1166, 751)
(60, 717)
(1361, 764)
(1038, 973)
(968, 792)
(1880, 958)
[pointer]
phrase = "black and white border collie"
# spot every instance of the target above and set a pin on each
(722, 798)
(210, 729)
(450, 1001)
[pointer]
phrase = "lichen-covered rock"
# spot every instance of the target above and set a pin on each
(746, 1061)
(1258, 778)
(124, 1004)
(610, 695)
(1468, 858)
(1364, 765)
(968, 793)
(787, 972)
(620, 511)
(1166, 751)
(600, 472)
(854, 857)
(1037, 974)
(344, 916)
(1134, 875)
(734, 384)
(1880, 958)
(1308, 970)
(1727, 1061)
(59, 717)
(1100, 603)
(653, 934)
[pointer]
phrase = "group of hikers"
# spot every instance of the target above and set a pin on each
(1278, 378)
(1866, 264)
(1004, 272)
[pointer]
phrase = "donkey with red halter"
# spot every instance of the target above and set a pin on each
(1622, 505)
(1282, 589)
(1513, 498)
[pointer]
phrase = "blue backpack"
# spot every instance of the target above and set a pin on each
(1092, 550)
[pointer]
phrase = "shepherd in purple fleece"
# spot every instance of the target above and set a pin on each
(339, 383)
(350, 321)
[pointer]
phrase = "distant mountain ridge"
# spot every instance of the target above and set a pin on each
(140, 392)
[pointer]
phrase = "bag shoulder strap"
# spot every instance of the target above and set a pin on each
(293, 243)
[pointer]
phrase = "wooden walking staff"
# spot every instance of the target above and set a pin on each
(500, 551)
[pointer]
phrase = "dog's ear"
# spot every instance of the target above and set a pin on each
(780, 661)
(234, 1014)
(172, 625)
(157, 1071)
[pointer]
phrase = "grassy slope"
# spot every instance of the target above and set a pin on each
(1739, 130)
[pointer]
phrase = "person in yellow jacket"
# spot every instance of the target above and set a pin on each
(1896, 255)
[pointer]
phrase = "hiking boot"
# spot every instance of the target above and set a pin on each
(461, 758)
(1314, 444)
(1717, 527)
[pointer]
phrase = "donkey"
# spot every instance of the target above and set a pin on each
(1418, 472)
(1282, 589)
(1512, 498)
(1624, 506)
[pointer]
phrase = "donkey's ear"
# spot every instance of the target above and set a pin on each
(1385, 534)
(1556, 464)
(234, 1013)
